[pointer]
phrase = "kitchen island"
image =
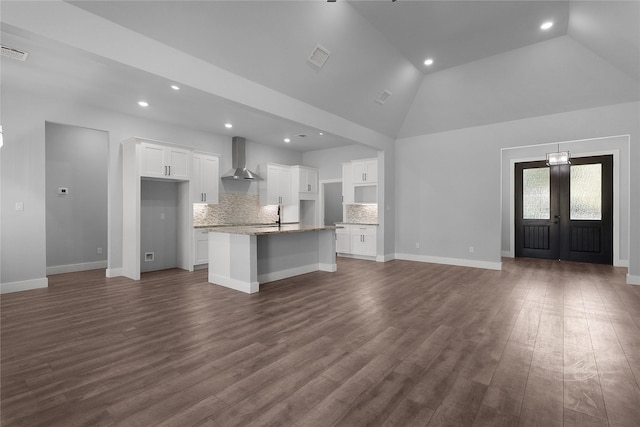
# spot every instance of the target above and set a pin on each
(242, 257)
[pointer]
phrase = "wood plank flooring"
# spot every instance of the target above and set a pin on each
(386, 344)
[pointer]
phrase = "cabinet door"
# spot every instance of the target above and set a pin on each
(197, 192)
(359, 171)
(201, 247)
(209, 179)
(177, 161)
(312, 181)
(343, 243)
(371, 171)
(368, 245)
(152, 161)
(356, 243)
(347, 183)
(284, 185)
(273, 185)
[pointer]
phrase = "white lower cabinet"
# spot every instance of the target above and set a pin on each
(201, 246)
(343, 241)
(356, 239)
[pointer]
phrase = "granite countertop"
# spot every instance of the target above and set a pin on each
(260, 230)
(357, 223)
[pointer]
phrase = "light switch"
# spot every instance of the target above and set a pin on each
(163, 215)
(19, 206)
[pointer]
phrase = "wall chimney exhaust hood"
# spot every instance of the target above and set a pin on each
(239, 162)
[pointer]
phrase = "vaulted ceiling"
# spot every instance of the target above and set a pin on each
(246, 62)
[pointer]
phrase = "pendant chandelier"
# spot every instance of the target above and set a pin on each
(558, 158)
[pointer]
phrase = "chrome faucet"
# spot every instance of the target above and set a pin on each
(279, 220)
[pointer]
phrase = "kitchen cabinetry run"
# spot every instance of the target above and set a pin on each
(355, 239)
(206, 178)
(164, 161)
(365, 171)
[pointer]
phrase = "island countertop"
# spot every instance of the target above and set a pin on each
(260, 230)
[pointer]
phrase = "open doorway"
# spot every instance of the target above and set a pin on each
(76, 162)
(331, 202)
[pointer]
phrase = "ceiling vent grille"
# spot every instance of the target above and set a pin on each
(319, 56)
(14, 53)
(384, 97)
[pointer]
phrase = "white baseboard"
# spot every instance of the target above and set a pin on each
(24, 285)
(238, 285)
(385, 258)
(633, 280)
(506, 254)
(364, 257)
(451, 261)
(289, 272)
(72, 268)
(114, 272)
(331, 268)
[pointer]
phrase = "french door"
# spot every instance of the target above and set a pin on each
(565, 211)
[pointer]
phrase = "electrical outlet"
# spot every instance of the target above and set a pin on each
(19, 206)
(417, 245)
(99, 251)
(471, 249)
(163, 215)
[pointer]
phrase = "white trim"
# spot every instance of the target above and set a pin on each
(385, 258)
(633, 280)
(330, 268)
(289, 272)
(24, 285)
(235, 284)
(114, 272)
(71, 268)
(506, 254)
(354, 256)
(451, 261)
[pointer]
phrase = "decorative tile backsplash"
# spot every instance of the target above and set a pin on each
(232, 209)
(362, 214)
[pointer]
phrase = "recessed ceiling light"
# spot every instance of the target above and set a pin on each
(428, 61)
(546, 25)
(320, 133)
(228, 125)
(143, 103)
(174, 87)
(287, 140)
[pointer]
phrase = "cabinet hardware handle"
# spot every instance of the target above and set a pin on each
(169, 170)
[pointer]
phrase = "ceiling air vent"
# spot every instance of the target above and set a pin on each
(14, 53)
(319, 56)
(384, 97)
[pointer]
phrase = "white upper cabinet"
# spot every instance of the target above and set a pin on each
(164, 161)
(304, 183)
(365, 171)
(206, 179)
(275, 188)
(308, 180)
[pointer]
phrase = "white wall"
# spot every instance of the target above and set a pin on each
(456, 200)
(329, 161)
(23, 173)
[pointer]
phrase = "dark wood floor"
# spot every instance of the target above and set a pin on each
(394, 344)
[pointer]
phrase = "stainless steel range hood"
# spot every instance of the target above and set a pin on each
(239, 162)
